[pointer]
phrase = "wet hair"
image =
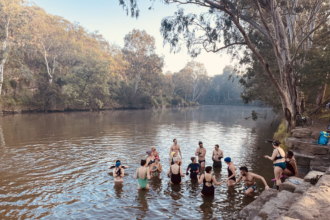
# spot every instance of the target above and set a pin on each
(276, 143)
(244, 169)
(192, 159)
(217, 145)
(118, 172)
(290, 153)
(143, 162)
(208, 169)
(174, 139)
(175, 159)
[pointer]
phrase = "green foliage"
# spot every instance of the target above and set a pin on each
(281, 134)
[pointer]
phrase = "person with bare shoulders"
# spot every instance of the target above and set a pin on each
(291, 165)
(208, 180)
(249, 181)
(175, 172)
(217, 155)
(142, 174)
(154, 152)
(201, 152)
(175, 148)
(118, 173)
(231, 172)
(150, 160)
(157, 168)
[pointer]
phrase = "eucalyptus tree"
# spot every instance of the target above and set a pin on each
(289, 26)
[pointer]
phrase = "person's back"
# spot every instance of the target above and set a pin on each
(142, 174)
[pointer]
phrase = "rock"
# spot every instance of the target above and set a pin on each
(301, 189)
(306, 146)
(320, 163)
(315, 135)
(301, 132)
(250, 211)
(289, 142)
(303, 159)
(312, 174)
(314, 204)
(290, 186)
(286, 218)
(328, 171)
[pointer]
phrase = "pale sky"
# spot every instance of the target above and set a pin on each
(111, 21)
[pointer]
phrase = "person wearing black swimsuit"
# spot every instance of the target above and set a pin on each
(291, 165)
(231, 172)
(194, 168)
(208, 180)
(150, 160)
(175, 172)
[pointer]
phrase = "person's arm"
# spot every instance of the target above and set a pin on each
(217, 183)
(148, 174)
(114, 173)
(213, 154)
(180, 151)
(170, 152)
(169, 171)
(272, 158)
(136, 173)
(293, 163)
(198, 168)
(188, 168)
(200, 179)
(197, 152)
(239, 180)
(160, 168)
(122, 173)
(262, 179)
(181, 171)
(153, 170)
(221, 154)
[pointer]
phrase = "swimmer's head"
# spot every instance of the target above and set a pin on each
(153, 148)
(175, 141)
(193, 159)
(289, 154)
(200, 144)
(243, 170)
(173, 154)
(216, 146)
(176, 159)
(208, 169)
(157, 158)
(227, 160)
(149, 152)
(276, 143)
(118, 163)
(143, 162)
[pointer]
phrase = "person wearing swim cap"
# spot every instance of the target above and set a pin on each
(201, 152)
(231, 172)
(174, 154)
(118, 173)
(122, 166)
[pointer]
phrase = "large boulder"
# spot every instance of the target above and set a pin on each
(301, 132)
(290, 186)
(306, 146)
(328, 171)
(312, 174)
(320, 163)
(303, 159)
(315, 135)
(286, 218)
(250, 211)
(302, 188)
(314, 204)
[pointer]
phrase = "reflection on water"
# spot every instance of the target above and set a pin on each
(55, 165)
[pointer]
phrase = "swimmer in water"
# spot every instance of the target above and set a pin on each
(175, 171)
(175, 148)
(208, 180)
(142, 174)
(194, 168)
(118, 173)
(231, 172)
(175, 155)
(216, 157)
(150, 159)
(154, 152)
(200, 152)
(249, 181)
(122, 166)
(157, 168)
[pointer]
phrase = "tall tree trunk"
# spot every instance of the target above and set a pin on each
(320, 96)
(137, 81)
(3, 61)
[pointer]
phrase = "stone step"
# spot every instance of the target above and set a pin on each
(320, 163)
(306, 146)
(313, 204)
(300, 132)
(293, 187)
(303, 159)
(312, 174)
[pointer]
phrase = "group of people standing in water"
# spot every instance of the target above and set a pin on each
(284, 164)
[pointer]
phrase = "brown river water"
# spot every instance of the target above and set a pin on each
(55, 166)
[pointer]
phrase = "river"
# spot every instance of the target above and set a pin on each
(55, 166)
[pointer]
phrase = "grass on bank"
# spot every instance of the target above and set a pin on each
(281, 134)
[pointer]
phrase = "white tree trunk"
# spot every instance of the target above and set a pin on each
(50, 76)
(137, 81)
(3, 61)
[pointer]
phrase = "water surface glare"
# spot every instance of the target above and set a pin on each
(55, 166)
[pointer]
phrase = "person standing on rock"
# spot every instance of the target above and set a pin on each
(278, 158)
(216, 157)
(249, 181)
(200, 152)
(231, 172)
(291, 165)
